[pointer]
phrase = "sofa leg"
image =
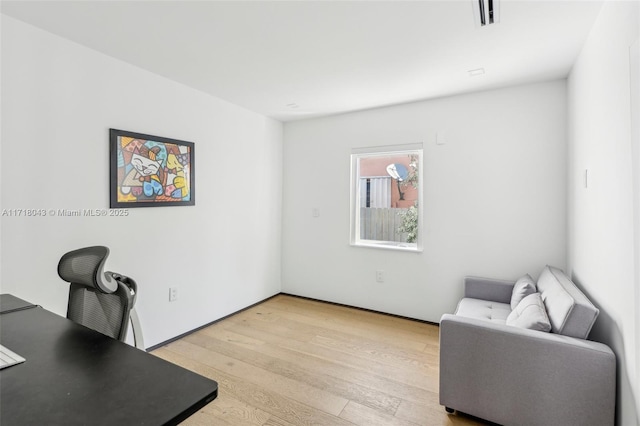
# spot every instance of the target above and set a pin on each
(449, 410)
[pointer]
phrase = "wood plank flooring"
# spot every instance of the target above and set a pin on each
(292, 361)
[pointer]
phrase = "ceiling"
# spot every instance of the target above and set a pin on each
(300, 59)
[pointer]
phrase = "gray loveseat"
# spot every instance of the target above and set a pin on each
(517, 355)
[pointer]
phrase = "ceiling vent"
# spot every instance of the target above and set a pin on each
(486, 12)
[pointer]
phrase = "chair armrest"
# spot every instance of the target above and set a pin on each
(488, 289)
(510, 375)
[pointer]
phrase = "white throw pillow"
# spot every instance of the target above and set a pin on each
(530, 313)
(521, 289)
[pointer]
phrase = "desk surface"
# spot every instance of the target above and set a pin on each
(10, 303)
(74, 375)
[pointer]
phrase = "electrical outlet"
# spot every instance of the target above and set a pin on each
(173, 294)
(380, 276)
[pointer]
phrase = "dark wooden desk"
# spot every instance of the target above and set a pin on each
(10, 303)
(76, 376)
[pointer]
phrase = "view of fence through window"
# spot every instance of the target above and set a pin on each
(387, 192)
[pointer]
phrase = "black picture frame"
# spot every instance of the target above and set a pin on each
(150, 171)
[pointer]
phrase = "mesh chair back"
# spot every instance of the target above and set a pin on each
(100, 301)
(105, 313)
(85, 266)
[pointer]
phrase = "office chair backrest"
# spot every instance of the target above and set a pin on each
(98, 300)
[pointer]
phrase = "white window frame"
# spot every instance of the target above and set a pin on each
(384, 151)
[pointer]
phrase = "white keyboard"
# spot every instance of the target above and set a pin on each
(9, 358)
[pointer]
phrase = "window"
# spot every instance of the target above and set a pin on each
(386, 200)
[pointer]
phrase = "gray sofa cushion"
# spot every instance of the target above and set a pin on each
(531, 314)
(521, 289)
(483, 309)
(569, 310)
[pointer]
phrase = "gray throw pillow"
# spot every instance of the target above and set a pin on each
(530, 313)
(521, 289)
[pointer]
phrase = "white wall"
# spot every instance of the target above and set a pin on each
(58, 101)
(494, 198)
(601, 254)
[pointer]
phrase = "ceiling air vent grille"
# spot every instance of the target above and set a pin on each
(486, 12)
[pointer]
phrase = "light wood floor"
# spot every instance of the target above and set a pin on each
(291, 361)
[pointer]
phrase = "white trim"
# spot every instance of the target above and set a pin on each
(387, 149)
(389, 245)
(634, 107)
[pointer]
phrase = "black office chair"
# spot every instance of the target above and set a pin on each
(102, 301)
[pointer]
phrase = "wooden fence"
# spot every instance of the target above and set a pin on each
(381, 224)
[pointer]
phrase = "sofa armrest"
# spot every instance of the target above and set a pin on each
(488, 289)
(510, 375)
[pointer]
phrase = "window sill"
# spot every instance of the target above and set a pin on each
(388, 245)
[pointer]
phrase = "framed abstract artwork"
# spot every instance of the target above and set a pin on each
(150, 171)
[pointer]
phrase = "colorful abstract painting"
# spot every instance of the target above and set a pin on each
(150, 171)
